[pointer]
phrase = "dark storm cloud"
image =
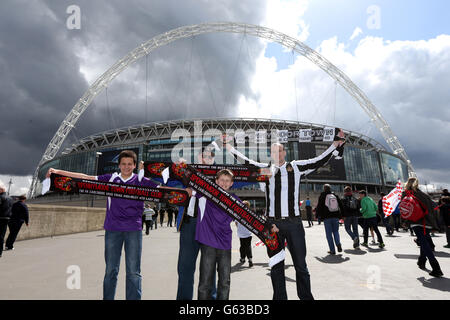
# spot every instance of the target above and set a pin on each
(41, 64)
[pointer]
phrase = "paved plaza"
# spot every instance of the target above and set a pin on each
(45, 268)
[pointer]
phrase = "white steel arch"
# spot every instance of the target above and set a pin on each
(225, 27)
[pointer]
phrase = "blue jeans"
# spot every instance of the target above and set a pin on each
(292, 231)
(349, 224)
(187, 259)
(332, 230)
(425, 242)
(386, 223)
(132, 241)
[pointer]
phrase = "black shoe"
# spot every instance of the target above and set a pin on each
(436, 273)
(242, 260)
(339, 247)
(6, 248)
(421, 264)
(331, 252)
(250, 263)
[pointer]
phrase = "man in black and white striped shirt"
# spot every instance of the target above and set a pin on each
(282, 210)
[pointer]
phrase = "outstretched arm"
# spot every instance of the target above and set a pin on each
(238, 155)
(70, 174)
(310, 165)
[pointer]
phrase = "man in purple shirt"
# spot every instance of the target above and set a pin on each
(123, 227)
(214, 235)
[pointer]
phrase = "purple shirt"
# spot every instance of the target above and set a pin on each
(124, 214)
(213, 225)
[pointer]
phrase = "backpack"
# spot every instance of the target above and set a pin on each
(332, 203)
(352, 203)
(411, 208)
(5, 206)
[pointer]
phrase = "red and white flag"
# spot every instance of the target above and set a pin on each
(391, 201)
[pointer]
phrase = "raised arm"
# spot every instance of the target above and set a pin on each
(336, 149)
(70, 174)
(238, 155)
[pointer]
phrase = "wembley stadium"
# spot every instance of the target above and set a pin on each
(366, 163)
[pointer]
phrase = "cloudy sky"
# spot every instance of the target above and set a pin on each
(397, 52)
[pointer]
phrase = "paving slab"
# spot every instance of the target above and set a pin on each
(47, 269)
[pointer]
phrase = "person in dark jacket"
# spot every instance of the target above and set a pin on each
(423, 234)
(329, 209)
(5, 214)
(445, 214)
(384, 219)
(18, 217)
(351, 214)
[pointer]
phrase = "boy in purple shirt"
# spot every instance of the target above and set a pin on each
(214, 235)
(123, 227)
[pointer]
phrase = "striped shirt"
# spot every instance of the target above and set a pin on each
(283, 188)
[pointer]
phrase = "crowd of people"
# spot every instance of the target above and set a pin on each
(12, 216)
(366, 213)
(205, 228)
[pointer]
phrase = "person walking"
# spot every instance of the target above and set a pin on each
(155, 219)
(330, 210)
(369, 212)
(147, 218)
(245, 238)
(18, 217)
(308, 208)
(169, 216)
(424, 226)
(445, 214)
(5, 214)
(351, 214)
(384, 219)
(161, 216)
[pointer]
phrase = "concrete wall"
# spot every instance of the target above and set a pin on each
(51, 220)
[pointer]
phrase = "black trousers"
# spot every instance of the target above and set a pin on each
(292, 231)
(14, 228)
(368, 223)
(246, 247)
(148, 225)
(3, 227)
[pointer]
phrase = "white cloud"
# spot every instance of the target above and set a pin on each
(286, 16)
(19, 186)
(407, 81)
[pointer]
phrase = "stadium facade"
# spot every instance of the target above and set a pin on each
(366, 163)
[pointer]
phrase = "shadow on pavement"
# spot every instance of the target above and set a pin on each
(244, 266)
(438, 254)
(355, 251)
(442, 284)
(333, 259)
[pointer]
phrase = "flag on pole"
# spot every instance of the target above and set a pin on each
(391, 201)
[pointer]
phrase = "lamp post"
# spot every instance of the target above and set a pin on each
(97, 155)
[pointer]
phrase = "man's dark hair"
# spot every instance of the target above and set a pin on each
(363, 192)
(22, 197)
(128, 154)
(382, 194)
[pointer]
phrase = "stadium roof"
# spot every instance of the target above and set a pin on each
(163, 129)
